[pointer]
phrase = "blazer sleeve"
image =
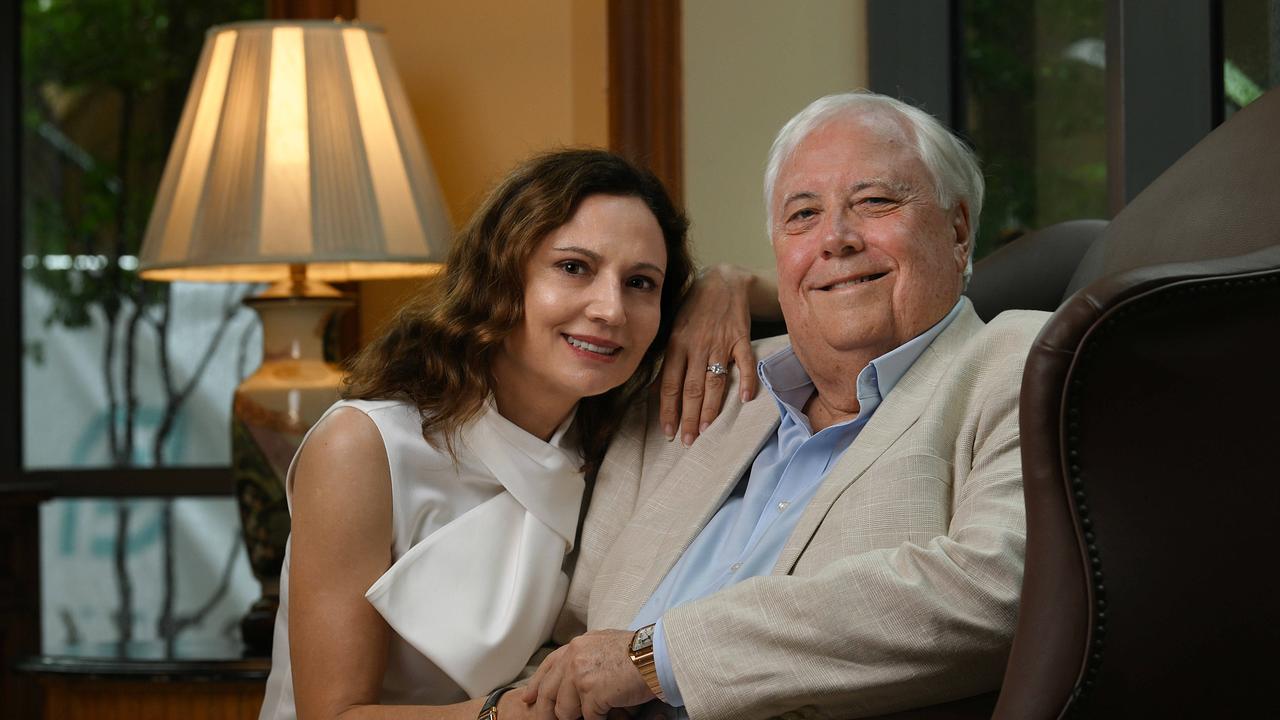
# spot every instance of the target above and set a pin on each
(876, 631)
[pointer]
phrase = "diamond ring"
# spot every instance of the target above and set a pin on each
(716, 369)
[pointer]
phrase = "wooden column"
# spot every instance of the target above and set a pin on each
(311, 9)
(646, 102)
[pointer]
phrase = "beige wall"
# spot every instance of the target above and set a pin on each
(491, 81)
(749, 65)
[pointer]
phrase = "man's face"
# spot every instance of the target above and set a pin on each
(866, 258)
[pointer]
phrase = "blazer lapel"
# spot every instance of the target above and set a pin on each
(677, 510)
(897, 412)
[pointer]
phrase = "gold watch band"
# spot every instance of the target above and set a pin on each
(649, 671)
(644, 662)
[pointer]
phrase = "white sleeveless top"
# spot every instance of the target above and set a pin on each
(476, 577)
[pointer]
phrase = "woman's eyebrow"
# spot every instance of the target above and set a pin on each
(650, 266)
(576, 249)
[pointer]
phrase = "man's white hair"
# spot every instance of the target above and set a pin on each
(952, 165)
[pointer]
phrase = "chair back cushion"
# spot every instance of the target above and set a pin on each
(1031, 272)
(1218, 200)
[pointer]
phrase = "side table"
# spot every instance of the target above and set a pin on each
(150, 679)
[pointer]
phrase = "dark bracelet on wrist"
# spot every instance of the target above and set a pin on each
(489, 711)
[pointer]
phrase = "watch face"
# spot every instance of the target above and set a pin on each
(643, 639)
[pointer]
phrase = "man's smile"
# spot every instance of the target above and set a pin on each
(852, 281)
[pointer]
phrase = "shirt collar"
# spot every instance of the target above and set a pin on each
(790, 385)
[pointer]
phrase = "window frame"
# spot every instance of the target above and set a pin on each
(22, 490)
(1164, 61)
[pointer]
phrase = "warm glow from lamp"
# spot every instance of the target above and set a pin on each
(296, 148)
(204, 129)
(286, 171)
(390, 177)
(296, 162)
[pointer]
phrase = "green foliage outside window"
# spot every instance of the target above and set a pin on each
(1036, 112)
(103, 87)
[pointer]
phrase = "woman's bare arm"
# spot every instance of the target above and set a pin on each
(340, 544)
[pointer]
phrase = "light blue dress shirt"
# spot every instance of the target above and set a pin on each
(746, 535)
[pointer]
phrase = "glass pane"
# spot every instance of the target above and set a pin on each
(1250, 51)
(1035, 84)
(136, 570)
(117, 372)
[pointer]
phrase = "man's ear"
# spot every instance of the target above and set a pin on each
(960, 228)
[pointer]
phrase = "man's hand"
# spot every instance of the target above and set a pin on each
(713, 326)
(587, 678)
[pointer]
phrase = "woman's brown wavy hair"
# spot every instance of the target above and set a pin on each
(437, 350)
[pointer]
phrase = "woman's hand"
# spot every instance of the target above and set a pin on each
(713, 326)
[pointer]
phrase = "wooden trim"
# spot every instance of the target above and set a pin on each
(311, 9)
(10, 243)
(646, 88)
(93, 697)
(19, 499)
(134, 482)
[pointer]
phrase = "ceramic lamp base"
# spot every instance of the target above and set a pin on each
(273, 410)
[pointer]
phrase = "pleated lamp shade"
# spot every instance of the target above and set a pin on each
(296, 147)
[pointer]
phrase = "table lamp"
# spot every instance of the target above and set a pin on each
(297, 163)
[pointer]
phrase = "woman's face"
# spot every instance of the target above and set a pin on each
(592, 302)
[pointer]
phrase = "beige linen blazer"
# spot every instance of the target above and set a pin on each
(899, 586)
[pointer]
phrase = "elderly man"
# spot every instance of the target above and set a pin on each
(851, 541)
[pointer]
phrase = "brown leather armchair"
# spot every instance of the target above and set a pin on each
(1150, 414)
(1150, 411)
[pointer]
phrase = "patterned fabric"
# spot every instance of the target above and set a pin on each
(746, 535)
(898, 587)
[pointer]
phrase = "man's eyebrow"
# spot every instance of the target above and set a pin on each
(596, 257)
(898, 186)
(901, 187)
(802, 195)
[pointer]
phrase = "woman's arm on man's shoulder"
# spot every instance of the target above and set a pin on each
(713, 326)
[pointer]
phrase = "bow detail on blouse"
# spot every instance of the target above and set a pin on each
(480, 595)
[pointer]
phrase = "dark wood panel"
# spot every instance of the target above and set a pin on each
(10, 268)
(134, 482)
(646, 101)
(70, 698)
(19, 602)
(311, 9)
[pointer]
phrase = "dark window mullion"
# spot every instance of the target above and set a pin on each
(912, 52)
(1164, 87)
(10, 237)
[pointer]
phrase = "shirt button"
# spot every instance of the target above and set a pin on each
(735, 567)
(783, 505)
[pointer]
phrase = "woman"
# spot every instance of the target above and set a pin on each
(433, 508)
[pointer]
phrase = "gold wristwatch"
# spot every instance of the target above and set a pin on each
(642, 658)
